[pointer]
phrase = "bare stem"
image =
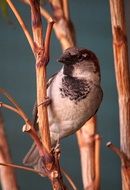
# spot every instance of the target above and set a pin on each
(66, 10)
(64, 29)
(22, 24)
(7, 175)
(36, 23)
(48, 36)
(41, 61)
(31, 131)
(9, 107)
(116, 150)
(21, 167)
(97, 161)
(45, 14)
(69, 179)
(18, 108)
(120, 49)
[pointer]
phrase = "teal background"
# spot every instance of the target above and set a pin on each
(17, 75)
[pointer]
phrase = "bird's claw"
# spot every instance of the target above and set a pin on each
(46, 102)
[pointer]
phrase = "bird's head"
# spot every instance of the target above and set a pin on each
(80, 63)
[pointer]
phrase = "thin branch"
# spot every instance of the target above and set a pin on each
(36, 23)
(69, 179)
(21, 167)
(125, 165)
(116, 150)
(22, 24)
(122, 73)
(97, 161)
(11, 99)
(31, 131)
(66, 10)
(7, 175)
(45, 14)
(9, 107)
(47, 38)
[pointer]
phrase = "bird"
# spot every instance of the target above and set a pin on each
(75, 93)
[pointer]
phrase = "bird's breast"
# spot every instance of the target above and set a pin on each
(73, 103)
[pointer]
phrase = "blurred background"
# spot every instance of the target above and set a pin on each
(17, 75)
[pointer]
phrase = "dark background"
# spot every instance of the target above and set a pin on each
(17, 75)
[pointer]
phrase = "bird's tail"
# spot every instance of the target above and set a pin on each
(34, 160)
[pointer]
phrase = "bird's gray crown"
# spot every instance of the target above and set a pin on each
(74, 54)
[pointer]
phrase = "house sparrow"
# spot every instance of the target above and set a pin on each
(75, 95)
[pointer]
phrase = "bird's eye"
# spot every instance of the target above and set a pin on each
(79, 56)
(85, 55)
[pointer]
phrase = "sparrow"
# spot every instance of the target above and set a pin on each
(75, 94)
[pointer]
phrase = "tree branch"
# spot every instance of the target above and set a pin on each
(7, 175)
(122, 72)
(97, 162)
(48, 36)
(21, 168)
(29, 126)
(66, 10)
(22, 24)
(40, 73)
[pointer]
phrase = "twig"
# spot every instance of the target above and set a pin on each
(22, 24)
(29, 126)
(45, 14)
(31, 131)
(9, 107)
(66, 10)
(64, 29)
(57, 184)
(7, 175)
(36, 23)
(122, 73)
(69, 179)
(86, 141)
(18, 108)
(47, 38)
(117, 151)
(21, 167)
(125, 165)
(97, 161)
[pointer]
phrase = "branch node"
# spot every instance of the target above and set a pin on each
(109, 144)
(26, 128)
(1, 104)
(51, 20)
(97, 137)
(118, 152)
(54, 174)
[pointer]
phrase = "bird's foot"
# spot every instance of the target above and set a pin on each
(46, 102)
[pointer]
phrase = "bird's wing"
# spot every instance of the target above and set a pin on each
(51, 80)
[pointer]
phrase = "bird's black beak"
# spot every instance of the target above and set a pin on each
(65, 58)
(61, 60)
